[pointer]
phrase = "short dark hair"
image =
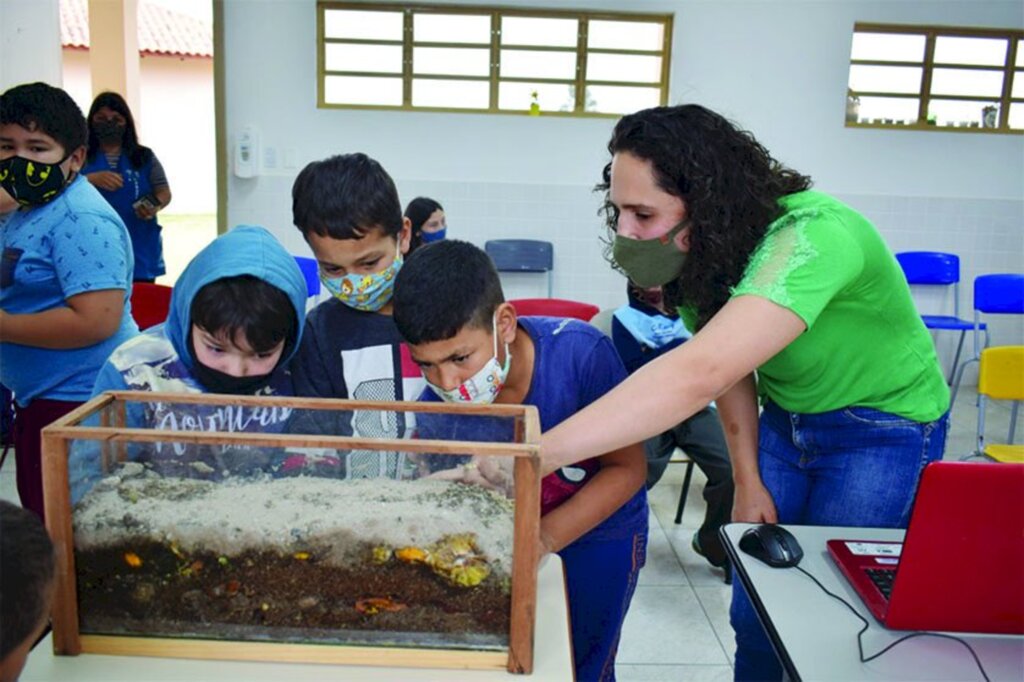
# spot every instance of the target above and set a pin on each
(246, 304)
(418, 212)
(50, 110)
(444, 287)
(136, 153)
(26, 574)
(345, 197)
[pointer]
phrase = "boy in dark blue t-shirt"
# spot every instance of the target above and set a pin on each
(471, 347)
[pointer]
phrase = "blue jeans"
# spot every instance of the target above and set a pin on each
(851, 467)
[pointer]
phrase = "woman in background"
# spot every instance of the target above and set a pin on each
(130, 178)
(428, 222)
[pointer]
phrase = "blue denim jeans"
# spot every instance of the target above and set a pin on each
(850, 467)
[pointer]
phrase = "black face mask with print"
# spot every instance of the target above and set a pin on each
(32, 183)
(108, 130)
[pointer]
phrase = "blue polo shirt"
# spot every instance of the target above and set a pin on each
(72, 245)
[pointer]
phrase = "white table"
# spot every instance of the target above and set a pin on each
(815, 636)
(552, 657)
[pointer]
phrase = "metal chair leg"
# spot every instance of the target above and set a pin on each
(956, 358)
(683, 493)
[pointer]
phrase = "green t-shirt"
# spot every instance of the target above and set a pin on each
(865, 343)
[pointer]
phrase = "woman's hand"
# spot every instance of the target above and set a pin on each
(108, 180)
(144, 212)
(753, 503)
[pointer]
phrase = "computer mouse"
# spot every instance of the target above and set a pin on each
(772, 544)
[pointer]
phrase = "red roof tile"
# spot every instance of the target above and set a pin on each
(161, 31)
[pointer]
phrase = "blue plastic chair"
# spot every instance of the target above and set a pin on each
(311, 272)
(934, 268)
(998, 294)
(523, 255)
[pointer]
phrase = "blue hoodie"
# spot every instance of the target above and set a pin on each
(159, 359)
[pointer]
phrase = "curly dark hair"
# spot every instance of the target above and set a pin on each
(731, 186)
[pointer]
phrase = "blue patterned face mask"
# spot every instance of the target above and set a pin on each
(365, 292)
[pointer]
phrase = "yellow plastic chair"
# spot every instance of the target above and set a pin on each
(1000, 377)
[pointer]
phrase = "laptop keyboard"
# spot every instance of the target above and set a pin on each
(882, 578)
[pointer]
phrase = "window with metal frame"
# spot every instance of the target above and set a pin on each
(936, 78)
(491, 59)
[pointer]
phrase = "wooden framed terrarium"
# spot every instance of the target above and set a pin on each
(247, 528)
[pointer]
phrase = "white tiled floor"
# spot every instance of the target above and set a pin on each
(678, 624)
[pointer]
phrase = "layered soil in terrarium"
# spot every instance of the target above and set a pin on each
(415, 563)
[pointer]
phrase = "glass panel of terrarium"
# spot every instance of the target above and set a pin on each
(540, 31)
(363, 90)
(891, 110)
(888, 47)
(623, 67)
(895, 79)
(959, 114)
(362, 24)
(625, 35)
(450, 94)
(451, 28)
(613, 99)
(550, 96)
(967, 82)
(375, 58)
(978, 51)
(451, 61)
(537, 64)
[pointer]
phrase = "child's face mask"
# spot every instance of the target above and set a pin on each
(483, 387)
(369, 292)
(32, 183)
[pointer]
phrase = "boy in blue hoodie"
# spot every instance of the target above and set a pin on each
(235, 320)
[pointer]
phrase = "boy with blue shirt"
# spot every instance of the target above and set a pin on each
(65, 273)
(471, 347)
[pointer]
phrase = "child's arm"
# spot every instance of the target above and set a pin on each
(621, 474)
(87, 319)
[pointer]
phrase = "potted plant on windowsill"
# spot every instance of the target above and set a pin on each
(852, 107)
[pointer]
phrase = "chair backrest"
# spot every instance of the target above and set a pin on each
(311, 273)
(150, 303)
(521, 255)
(555, 307)
(929, 267)
(1001, 373)
(999, 293)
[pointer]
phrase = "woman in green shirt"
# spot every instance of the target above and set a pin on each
(794, 298)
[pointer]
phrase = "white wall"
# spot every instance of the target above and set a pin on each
(29, 42)
(778, 68)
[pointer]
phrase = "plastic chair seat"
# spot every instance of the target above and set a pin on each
(948, 322)
(555, 307)
(1005, 453)
(150, 303)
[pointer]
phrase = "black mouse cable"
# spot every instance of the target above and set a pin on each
(860, 635)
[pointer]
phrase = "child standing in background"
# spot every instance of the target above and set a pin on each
(65, 275)
(466, 338)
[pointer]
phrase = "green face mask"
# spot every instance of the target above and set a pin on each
(650, 262)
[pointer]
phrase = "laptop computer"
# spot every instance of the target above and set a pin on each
(960, 567)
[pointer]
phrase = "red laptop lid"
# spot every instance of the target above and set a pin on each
(962, 565)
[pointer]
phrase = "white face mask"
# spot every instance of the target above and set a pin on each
(483, 387)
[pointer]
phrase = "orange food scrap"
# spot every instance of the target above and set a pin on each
(411, 555)
(196, 566)
(132, 559)
(372, 605)
(232, 587)
(301, 556)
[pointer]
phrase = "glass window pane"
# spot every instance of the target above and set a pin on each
(376, 58)
(626, 35)
(897, 79)
(888, 47)
(450, 94)
(550, 96)
(537, 64)
(539, 31)
(967, 82)
(960, 114)
(363, 90)
(1017, 90)
(981, 51)
(891, 110)
(623, 67)
(1017, 116)
(613, 99)
(346, 23)
(451, 28)
(1020, 53)
(454, 61)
